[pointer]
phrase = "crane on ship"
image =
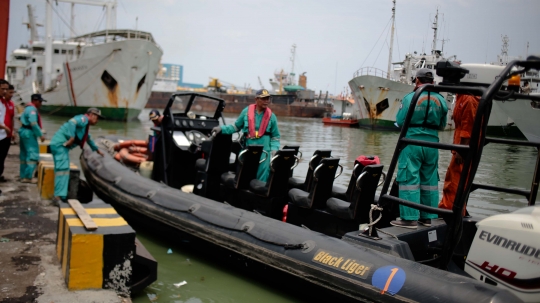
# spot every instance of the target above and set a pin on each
(217, 85)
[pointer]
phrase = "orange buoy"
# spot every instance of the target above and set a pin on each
(140, 155)
(138, 149)
(128, 143)
(124, 156)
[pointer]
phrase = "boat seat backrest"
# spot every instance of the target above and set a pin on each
(248, 164)
(364, 193)
(315, 160)
(278, 178)
(296, 148)
(357, 170)
(323, 180)
(217, 153)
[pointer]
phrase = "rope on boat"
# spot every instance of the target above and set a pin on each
(190, 211)
(371, 222)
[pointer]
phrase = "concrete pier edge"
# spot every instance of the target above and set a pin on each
(29, 268)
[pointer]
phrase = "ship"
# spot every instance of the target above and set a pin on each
(378, 93)
(112, 69)
(288, 99)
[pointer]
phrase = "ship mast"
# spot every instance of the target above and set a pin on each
(391, 40)
(435, 26)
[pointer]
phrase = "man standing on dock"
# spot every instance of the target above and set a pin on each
(7, 112)
(418, 174)
(73, 133)
(29, 133)
(259, 126)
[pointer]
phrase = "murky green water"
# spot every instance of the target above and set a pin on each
(209, 282)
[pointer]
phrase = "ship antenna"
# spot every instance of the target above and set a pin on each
(391, 39)
(293, 54)
(435, 26)
(504, 49)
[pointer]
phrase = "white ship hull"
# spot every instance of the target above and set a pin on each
(116, 77)
(526, 117)
(378, 100)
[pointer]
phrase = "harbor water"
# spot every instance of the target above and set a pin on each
(207, 281)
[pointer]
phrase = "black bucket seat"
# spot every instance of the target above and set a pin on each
(246, 170)
(321, 187)
(280, 165)
(362, 196)
(315, 160)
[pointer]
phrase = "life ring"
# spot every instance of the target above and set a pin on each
(124, 156)
(128, 143)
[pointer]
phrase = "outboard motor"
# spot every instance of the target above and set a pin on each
(506, 252)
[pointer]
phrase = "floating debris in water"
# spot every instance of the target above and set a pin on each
(180, 284)
(152, 297)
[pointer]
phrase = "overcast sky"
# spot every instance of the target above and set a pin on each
(240, 40)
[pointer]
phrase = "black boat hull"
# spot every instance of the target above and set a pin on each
(356, 272)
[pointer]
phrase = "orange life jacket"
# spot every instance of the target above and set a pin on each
(251, 122)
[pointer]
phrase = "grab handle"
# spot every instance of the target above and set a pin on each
(340, 166)
(240, 155)
(311, 160)
(264, 157)
(296, 161)
(359, 179)
(384, 179)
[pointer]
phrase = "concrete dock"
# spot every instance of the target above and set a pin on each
(29, 268)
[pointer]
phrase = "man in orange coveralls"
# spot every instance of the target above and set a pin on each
(464, 112)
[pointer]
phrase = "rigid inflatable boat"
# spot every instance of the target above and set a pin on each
(446, 262)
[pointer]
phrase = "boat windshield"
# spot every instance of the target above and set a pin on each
(200, 106)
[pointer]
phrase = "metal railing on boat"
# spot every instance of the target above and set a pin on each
(470, 153)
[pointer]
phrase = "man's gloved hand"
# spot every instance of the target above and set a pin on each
(216, 130)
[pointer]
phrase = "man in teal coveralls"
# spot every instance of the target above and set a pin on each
(73, 133)
(254, 135)
(418, 174)
(28, 134)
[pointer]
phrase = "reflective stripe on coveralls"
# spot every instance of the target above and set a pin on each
(270, 141)
(417, 174)
(61, 170)
(29, 147)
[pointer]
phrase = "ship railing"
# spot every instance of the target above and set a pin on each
(370, 71)
(113, 35)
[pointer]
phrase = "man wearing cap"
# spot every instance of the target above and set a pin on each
(259, 126)
(156, 118)
(417, 173)
(73, 133)
(30, 131)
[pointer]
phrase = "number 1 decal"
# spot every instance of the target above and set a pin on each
(389, 279)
